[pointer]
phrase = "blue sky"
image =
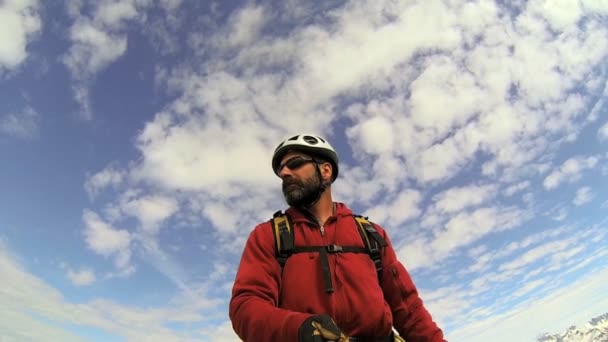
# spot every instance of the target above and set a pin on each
(136, 138)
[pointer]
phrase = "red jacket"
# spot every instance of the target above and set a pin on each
(267, 307)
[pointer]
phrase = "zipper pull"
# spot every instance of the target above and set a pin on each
(322, 231)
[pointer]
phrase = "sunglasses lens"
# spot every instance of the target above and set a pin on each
(294, 163)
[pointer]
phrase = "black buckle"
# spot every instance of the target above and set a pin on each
(282, 259)
(373, 248)
(378, 264)
(334, 249)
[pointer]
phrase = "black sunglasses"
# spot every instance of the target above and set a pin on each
(294, 163)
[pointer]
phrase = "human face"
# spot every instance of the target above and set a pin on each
(301, 182)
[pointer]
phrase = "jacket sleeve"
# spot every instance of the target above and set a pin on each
(254, 310)
(410, 318)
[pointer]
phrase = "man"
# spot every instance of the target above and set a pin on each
(325, 292)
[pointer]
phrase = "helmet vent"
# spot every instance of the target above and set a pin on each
(310, 140)
(295, 137)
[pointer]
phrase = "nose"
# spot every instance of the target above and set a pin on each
(285, 171)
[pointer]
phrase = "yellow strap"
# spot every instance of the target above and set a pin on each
(362, 222)
(277, 221)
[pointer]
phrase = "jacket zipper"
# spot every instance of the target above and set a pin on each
(314, 220)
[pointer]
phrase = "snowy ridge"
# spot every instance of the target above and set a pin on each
(596, 330)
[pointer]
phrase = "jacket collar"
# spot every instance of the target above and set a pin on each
(297, 215)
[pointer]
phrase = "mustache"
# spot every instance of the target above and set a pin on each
(287, 181)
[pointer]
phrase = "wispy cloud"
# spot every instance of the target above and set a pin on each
(97, 38)
(459, 231)
(23, 125)
(554, 312)
(81, 277)
(107, 240)
(456, 199)
(102, 179)
(583, 195)
(602, 133)
(26, 299)
(570, 171)
(515, 188)
(535, 270)
(150, 211)
(404, 207)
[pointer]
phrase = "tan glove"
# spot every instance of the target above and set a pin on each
(321, 328)
(399, 338)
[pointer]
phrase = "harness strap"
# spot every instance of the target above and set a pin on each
(284, 237)
(373, 245)
(323, 252)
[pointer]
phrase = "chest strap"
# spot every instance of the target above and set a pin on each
(285, 246)
(323, 252)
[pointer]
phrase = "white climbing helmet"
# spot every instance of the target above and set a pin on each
(310, 144)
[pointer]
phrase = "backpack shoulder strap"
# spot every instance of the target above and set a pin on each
(372, 240)
(283, 237)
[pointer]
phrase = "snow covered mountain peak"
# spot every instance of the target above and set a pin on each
(596, 330)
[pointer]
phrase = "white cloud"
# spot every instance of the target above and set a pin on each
(404, 207)
(34, 310)
(245, 25)
(81, 95)
(560, 13)
(73, 7)
(21, 23)
(456, 199)
(515, 188)
(209, 156)
(583, 195)
(114, 14)
(221, 216)
(553, 312)
(171, 4)
(459, 231)
(151, 211)
(82, 277)
(93, 48)
(97, 39)
(602, 133)
(106, 240)
(21, 326)
(24, 125)
(562, 214)
(109, 176)
(533, 275)
(467, 227)
(376, 135)
(536, 254)
(529, 287)
(222, 332)
(570, 171)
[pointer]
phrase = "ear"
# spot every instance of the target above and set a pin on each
(326, 171)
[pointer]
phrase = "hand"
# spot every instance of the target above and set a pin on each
(321, 328)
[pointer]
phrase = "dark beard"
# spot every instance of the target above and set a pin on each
(303, 193)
